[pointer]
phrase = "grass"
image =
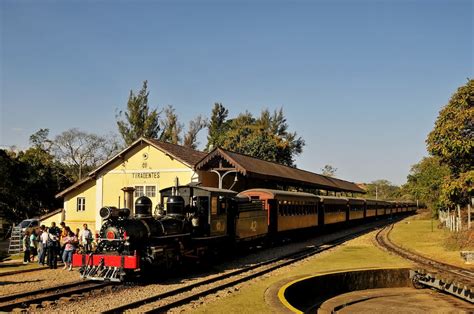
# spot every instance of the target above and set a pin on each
(418, 236)
(358, 253)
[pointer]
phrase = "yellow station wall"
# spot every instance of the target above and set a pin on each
(133, 169)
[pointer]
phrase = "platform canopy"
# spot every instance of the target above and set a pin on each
(221, 160)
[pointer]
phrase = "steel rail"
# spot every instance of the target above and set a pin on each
(457, 286)
(23, 300)
(420, 259)
(15, 272)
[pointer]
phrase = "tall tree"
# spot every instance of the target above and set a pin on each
(139, 120)
(328, 171)
(217, 126)
(452, 140)
(382, 190)
(195, 126)
(170, 126)
(40, 139)
(82, 151)
(425, 181)
(265, 137)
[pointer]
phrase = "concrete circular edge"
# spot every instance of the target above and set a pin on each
(290, 308)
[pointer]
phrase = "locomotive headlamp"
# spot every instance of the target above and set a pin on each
(110, 235)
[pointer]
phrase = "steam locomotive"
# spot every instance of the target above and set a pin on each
(196, 220)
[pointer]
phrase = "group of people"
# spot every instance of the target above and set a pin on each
(49, 243)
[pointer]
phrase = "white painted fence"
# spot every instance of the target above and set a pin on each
(453, 220)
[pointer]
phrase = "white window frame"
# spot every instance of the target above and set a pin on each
(80, 203)
(154, 190)
(144, 190)
(135, 194)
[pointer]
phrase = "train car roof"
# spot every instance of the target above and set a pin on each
(376, 202)
(353, 200)
(333, 199)
(279, 194)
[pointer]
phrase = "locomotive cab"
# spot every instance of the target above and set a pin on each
(205, 208)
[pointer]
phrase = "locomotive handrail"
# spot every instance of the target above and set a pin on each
(171, 236)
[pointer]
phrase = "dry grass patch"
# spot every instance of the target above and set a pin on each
(419, 236)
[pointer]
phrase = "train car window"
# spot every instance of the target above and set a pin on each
(203, 203)
(214, 205)
(222, 205)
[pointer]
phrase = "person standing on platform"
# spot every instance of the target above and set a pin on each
(53, 249)
(86, 238)
(33, 245)
(54, 229)
(43, 242)
(70, 242)
(26, 248)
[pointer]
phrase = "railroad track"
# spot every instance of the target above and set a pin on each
(455, 280)
(166, 301)
(25, 299)
(14, 272)
(384, 241)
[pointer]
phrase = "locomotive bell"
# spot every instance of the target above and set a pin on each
(143, 206)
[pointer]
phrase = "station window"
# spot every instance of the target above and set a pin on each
(145, 190)
(139, 191)
(150, 191)
(81, 204)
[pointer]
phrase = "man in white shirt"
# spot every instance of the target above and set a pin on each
(43, 244)
(85, 237)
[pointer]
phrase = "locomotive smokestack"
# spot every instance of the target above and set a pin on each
(128, 197)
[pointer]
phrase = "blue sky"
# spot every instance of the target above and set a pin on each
(361, 81)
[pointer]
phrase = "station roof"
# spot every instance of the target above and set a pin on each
(258, 168)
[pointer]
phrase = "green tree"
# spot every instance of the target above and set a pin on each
(266, 137)
(328, 171)
(171, 128)
(382, 190)
(40, 139)
(425, 181)
(452, 138)
(139, 120)
(458, 190)
(194, 127)
(29, 180)
(217, 126)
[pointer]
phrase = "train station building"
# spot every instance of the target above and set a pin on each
(148, 165)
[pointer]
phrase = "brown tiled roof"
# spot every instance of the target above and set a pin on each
(184, 154)
(251, 166)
